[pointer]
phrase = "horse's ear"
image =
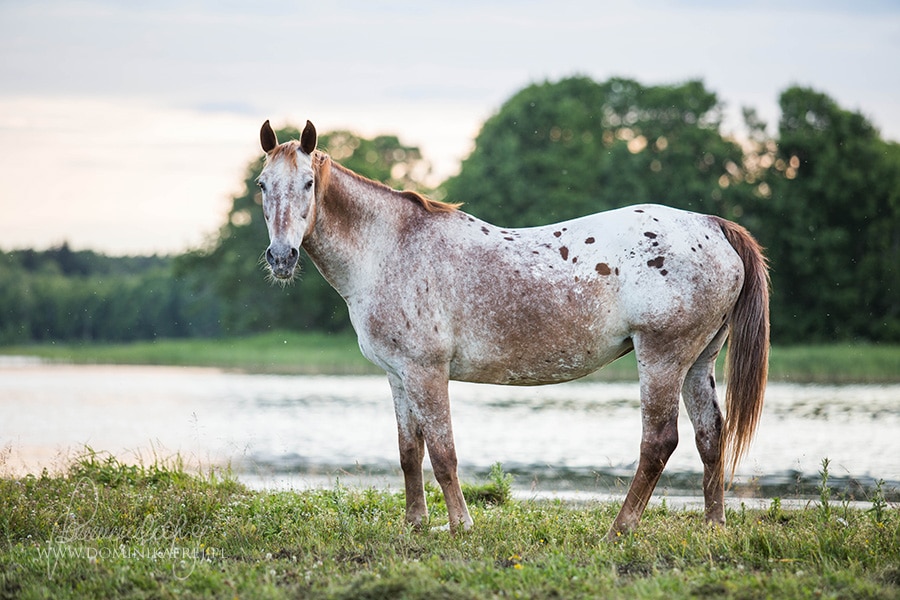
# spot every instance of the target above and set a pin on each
(267, 138)
(308, 138)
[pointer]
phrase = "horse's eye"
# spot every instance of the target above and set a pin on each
(261, 185)
(309, 185)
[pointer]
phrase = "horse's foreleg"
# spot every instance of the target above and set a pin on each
(430, 404)
(442, 452)
(659, 411)
(412, 453)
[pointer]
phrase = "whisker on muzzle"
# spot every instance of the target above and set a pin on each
(271, 278)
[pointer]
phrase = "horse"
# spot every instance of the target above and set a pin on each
(436, 294)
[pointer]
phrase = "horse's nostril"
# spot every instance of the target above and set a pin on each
(282, 259)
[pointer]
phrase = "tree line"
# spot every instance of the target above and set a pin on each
(61, 294)
(822, 195)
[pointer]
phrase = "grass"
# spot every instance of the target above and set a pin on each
(320, 353)
(105, 529)
(836, 363)
(281, 352)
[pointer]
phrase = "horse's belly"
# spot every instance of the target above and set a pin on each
(538, 360)
(532, 324)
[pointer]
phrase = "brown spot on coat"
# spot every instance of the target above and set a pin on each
(650, 234)
(564, 252)
(485, 230)
(590, 240)
(656, 262)
(557, 233)
(603, 269)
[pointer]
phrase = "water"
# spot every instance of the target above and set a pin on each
(301, 431)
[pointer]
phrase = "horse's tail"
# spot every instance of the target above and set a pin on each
(747, 361)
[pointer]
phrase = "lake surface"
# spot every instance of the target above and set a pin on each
(301, 431)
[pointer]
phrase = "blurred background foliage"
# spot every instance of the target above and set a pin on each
(822, 194)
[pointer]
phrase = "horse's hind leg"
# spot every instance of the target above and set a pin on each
(700, 400)
(661, 377)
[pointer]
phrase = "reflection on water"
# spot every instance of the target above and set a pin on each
(311, 430)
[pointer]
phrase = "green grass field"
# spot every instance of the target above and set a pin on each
(292, 353)
(319, 353)
(104, 529)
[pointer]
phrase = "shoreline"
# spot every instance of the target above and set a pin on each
(288, 353)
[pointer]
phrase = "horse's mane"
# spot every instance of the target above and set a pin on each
(432, 206)
(322, 162)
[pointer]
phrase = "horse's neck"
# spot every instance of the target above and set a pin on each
(356, 224)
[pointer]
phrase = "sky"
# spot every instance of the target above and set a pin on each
(126, 127)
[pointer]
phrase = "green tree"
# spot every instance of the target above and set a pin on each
(823, 197)
(559, 150)
(231, 268)
(16, 301)
(60, 294)
(832, 224)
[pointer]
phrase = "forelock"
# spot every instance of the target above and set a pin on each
(287, 151)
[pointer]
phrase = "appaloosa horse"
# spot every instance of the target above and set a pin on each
(436, 294)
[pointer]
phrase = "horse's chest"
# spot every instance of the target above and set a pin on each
(398, 323)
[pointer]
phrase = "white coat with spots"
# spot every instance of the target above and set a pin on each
(436, 294)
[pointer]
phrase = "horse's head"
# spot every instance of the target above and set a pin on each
(288, 185)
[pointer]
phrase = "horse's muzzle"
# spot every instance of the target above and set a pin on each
(282, 260)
